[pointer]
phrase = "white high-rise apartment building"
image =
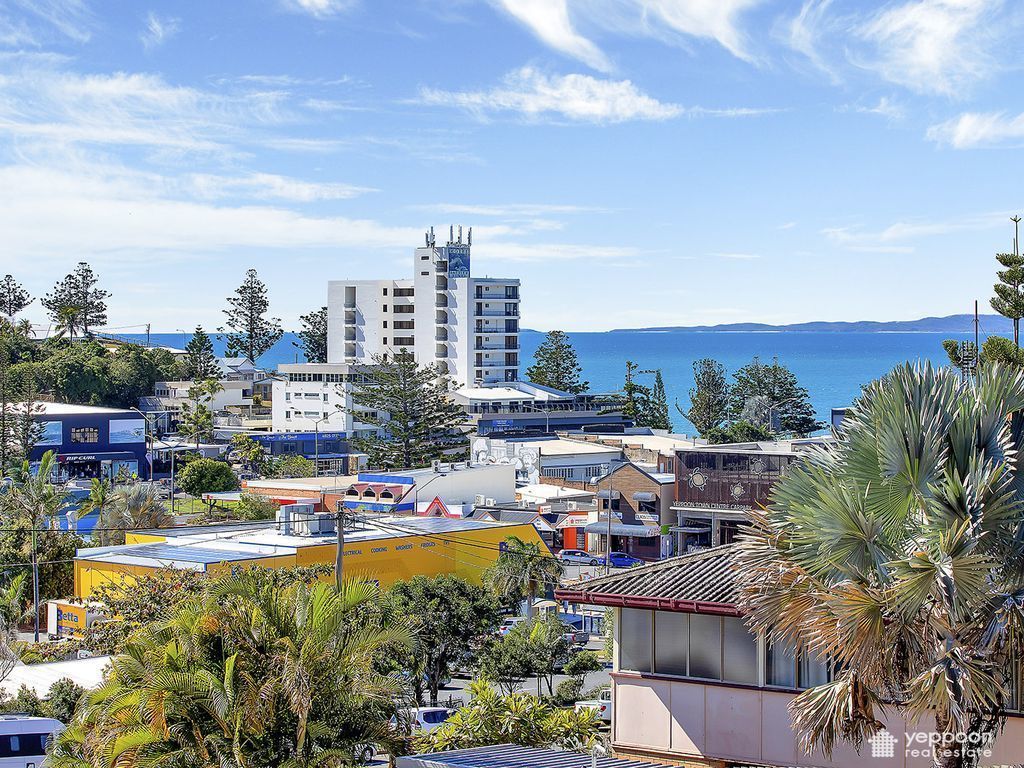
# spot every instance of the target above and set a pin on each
(468, 326)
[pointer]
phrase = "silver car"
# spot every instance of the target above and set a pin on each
(578, 557)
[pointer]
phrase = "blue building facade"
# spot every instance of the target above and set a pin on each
(91, 442)
(331, 447)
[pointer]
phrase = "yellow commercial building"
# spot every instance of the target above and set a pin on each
(385, 549)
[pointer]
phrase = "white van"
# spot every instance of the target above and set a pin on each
(23, 740)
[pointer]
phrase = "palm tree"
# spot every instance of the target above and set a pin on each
(98, 501)
(68, 319)
(523, 571)
(897, 555)
(247, 675)
(130, 507)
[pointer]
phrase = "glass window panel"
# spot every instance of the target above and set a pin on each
(813, 671)
(706, 646)
(740, 653)
(671, 643)
(780, 666)
(635, 640)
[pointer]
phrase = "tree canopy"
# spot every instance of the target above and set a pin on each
(13, 296)
(250, 332)
(76, 302)
(411, 407)
(313, 336)
(199, 362)
(556, 365)
(709, 396)
(206, 476)
(896, 553)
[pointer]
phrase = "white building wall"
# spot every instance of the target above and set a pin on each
(361, 318)
(298, 404)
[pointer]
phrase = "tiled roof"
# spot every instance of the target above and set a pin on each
(701, 582)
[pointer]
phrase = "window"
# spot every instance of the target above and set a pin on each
(288, 415)
(706, 646)
(671, 643)
(780, 666)
(287, 397)
(23, 744)
(325, 397)
(384, 308)
(385, 291)
(635, 639)
(562, 473)
(85, 435)
(404, 309)
(739, 652)
(385, 341)
(424, 273)
(385, 323)
(404, 292)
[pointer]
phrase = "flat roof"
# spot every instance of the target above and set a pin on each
(650, 442)
(559, 446)
(195, 547)
(514, 756)
(68, 409)
(319, 484)
(548, 491)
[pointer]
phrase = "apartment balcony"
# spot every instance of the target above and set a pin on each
(509, 312)
(350, 334)
(441, 350)
(441, 300)
(350, 316)
(441, 265)
(441, 284)
(441, 335)
(496, 347)
(441, 318)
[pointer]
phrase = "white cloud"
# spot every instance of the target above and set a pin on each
(320, 9)
(899, 236)
(158, 30)
(127, 109)
(510, 210)
(804, 33)
(549, 20)
(971, 130)
(737, 256)
(267, 186)
(40, 18)
(937, 46)
(716, 20)
(885, 107)
(577, 97)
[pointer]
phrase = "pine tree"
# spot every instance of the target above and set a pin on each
(20, 431)
(76, 302)
(770, 396)
(709, 397)
(13, 296)
(199, 361)
(196, 419)
(556, 365)
(250, 333)
(313, 336)
(657, 416)
(1009, 298)
(410, 406)
(636, 398)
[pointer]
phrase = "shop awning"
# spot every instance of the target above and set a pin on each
(77, 458)
(604, 493)
(645, 496)
(623, 529)
(691, 529)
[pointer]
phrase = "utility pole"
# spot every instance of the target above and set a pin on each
(977, 349)
(35, 582)
(339, 551)
(1016, 252)
(147, 334)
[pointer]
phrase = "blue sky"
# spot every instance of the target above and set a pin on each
(635, 162)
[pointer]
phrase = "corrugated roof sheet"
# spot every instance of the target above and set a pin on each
(705, 577)
(513, 756)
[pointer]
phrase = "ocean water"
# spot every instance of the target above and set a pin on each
(832, 367)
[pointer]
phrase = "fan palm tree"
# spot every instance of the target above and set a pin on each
(130, 507)
(246, 675)
(896, 554)
(523, 571)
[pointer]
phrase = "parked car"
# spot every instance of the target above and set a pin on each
(603, 705)
(622, 560)
(575, 635)
(578, 557)
(506, 626)
(421, 718)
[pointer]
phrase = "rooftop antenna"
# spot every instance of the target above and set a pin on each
(451, 234)
(432, 237)
(469, 237)
(460, 234)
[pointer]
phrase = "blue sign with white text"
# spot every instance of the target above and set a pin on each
(458, 260)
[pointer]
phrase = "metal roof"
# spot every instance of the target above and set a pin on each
(700, 582)
(176, 553)
(513, 756)
(622, 529)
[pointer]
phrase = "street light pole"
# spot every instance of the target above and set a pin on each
(316, 443)
(149, 441)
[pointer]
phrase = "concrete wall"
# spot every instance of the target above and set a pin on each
(678, 720)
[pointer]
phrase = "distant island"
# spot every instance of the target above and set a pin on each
(951, 324)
